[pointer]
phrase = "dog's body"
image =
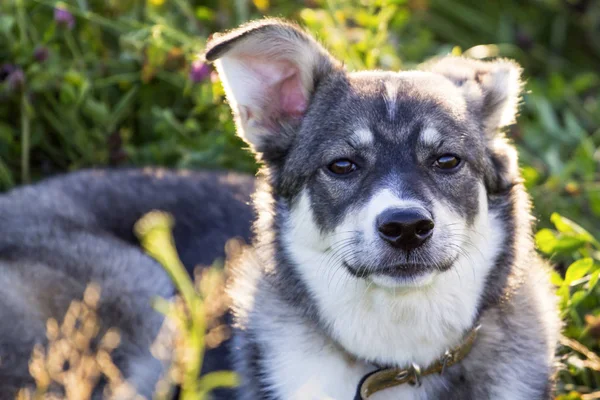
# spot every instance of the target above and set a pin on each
(58, 236)
(391, 221)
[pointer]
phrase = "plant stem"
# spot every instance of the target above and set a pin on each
(21, 22)
(242, 10)
(25, 138)
(83, 5)
(6, 180)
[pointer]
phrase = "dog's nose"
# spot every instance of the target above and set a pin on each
(405, 228)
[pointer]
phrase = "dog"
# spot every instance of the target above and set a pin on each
(60, 235)
(393, 256)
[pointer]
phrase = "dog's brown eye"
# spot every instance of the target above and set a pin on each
(342, 167)
(447, 161)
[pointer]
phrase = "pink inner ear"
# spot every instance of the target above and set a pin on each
(292, 99)
(280, 88)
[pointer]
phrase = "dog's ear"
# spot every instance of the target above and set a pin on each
(492, 89)
(269, 69)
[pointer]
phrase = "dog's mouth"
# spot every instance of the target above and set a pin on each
(403, 274)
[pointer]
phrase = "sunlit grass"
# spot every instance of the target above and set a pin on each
(72, 365)
(71, 361)
(195, 314)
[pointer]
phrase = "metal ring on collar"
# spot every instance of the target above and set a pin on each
(415, 369)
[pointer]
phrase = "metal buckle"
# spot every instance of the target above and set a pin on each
(416, 371)
(448, 356)
(413, 373)
(402, 374)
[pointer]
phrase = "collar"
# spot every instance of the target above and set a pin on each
(385, 378)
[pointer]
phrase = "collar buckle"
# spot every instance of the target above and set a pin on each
(384, 378)
(447, 358)
(411, 375)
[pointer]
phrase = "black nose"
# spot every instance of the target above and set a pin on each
(405, 228)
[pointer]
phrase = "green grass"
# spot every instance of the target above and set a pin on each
(189, 313)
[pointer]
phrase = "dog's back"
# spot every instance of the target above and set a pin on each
(58, 236)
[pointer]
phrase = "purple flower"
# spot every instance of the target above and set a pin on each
(64, 17)
(41, 54)
(15, 80)
(199, 71)
(6, 70)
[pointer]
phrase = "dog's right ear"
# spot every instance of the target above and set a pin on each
(269, 69)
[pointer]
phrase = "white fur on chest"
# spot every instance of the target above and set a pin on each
(302, 365)
(383, 325)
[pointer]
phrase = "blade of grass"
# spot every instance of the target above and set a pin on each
(25, 138)
(5, 176)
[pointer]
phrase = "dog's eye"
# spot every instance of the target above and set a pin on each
(447, 162)
(342, 167)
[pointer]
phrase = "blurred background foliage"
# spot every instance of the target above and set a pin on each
(119, 82)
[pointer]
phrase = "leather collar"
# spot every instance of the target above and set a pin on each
(385, 378)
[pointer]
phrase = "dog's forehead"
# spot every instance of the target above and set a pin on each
(395, 89)
(393, 104)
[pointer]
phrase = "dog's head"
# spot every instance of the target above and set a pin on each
(385, 175)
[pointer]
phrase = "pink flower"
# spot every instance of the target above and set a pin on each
(6, 70)
(199, 71)
(15, 80)
(41, 54)
(64, 17)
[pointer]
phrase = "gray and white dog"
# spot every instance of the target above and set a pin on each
(392, 224)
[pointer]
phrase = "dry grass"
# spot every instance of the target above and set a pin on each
(71, 365)
(76, 361)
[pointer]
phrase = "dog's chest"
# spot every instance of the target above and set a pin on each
(306, 376)
(304, 366)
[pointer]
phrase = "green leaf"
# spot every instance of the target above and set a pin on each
(568, 244)
(578, 269)
(7, 134)
(585, 81)
(546, 241)
(122, 107)
(204, 14)
(593, 280)
(565, 225)
(6, 23)
(162, 305)
(531, 176)
(219, 379)
(578, 296)
(563, 295)
(68, 95)
(96, 110)
(6, 179)
(555, 278)
(593, 197)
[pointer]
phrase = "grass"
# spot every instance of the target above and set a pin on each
(71, 366)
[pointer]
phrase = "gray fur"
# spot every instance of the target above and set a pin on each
(61, 234)
(468, 102)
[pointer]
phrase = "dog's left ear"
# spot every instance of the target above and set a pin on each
(269, 69)
(492, 89)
